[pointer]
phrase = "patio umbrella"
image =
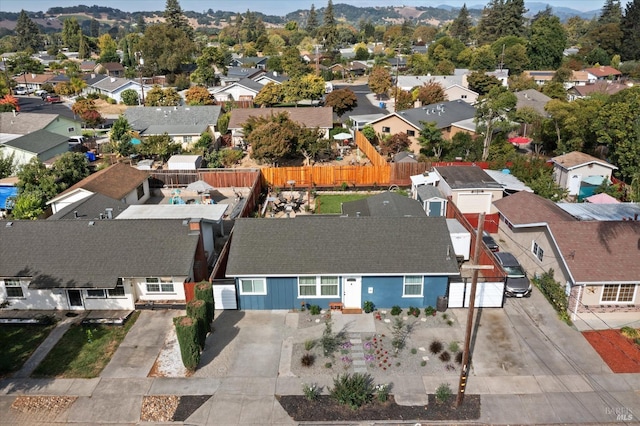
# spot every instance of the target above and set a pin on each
(342, 136)
(199, 186)
(519, 140)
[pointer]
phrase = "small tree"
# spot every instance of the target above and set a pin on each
(198, 95)
(187, 333)
(394, 144)
(341, 100)
(197, 309)
(204, 292)
(379, 80)
(130, 97)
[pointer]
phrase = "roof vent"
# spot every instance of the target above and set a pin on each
(75, 214)
(109, 213)
(9, 225)
(91, 223)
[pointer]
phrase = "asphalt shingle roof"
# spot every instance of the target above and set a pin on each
(90, 208)
(461, 177)
(321, 117)
(387, 204)
(78, 254)
(576, 159)
(38, 141)
(173, 120)
(443, 114)
(24, 122)
(525, 208)
(341, 245)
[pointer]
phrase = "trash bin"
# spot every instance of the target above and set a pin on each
(442, 303)
(382, 104)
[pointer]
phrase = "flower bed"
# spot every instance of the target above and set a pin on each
(619, 352)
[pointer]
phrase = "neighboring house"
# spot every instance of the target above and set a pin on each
(119, 182)
(98, 264)
(445, 115)
(500, 74)
(41, 144)
(533, 99)
(580, 173)
(184, 124)
(281, 264)
(596, 261)
(33, 81)
(242, 91)
(409, 82)
(94, 207)
(87, 66)
(610, 211)
(510, 184)
(320, 117)
(350, 69)
(602, 73)
(111, 69)
(271, 77)
(456, 91)
(388, 204)
(578, 78)
(259, 62)
(235, 74)
(114, 86)
(404, 157)
(22, 123)
(602, 87)
(472, 190)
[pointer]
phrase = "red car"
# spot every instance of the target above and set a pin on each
(53, 99)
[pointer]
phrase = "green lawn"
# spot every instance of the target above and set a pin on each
(18, 343)
(84, 351)
(328, 204)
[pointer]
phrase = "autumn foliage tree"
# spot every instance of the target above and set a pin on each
(198, 95)
(379, 80)
(87, 111)
(394, 144)
(9, 103)
(341, 100)
(430, 93)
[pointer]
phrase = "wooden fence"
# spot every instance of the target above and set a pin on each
(369, 150)
(218, 178)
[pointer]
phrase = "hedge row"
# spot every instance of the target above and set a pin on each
(192, 329)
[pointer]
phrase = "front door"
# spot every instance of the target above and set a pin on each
(352, 295)
(75, 299)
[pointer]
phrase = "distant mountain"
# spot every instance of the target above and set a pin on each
(563, 13)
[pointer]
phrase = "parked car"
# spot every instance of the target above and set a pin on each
(517, 284)
(490, 242)
(40, 92)
(20, 90)
(52, 99)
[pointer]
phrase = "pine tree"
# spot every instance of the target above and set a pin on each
(83, 47)
(312, 21)
(489, 27)
(329, 31)
(94, 28)
(611, 12)
(461, 26)
(27, 34)
(141, 25)
(512, 22)
(631, 28)
(174, 17)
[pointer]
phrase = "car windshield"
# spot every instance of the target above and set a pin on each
(514, 271)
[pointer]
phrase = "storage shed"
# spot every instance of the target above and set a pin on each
(460, 237)
(184, 162)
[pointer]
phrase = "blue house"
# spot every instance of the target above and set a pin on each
(281, 263)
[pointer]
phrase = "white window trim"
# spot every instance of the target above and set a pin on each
(89, 296)
(159, 283)
(253, 293)
(20, 286)
(537, 250)
(404, 284)
(123, 296)
(617, 302)
(319, 294)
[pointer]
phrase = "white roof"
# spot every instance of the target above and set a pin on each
(210, 212)
(508, 181)
(184, 159)
(424, 179)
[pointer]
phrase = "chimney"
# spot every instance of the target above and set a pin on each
(194, 226)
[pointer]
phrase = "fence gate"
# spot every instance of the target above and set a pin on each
(224, 296)
(488, 294)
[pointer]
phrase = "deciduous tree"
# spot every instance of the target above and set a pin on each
(341, 100)
(198, 95)
(379, 80)
(394, 144)
(430, 93)
(491, 115)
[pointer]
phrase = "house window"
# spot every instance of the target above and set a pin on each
(618, 292)
(411, 132)
(412, 286)
(318, 286)
(118, 291)
(159, 285)
(537, 251)
(188, 139)
(140, 191)
(14, 289)
(71, 129)
(253, 286)
(95, 294)
(463, 96)
(386, 129)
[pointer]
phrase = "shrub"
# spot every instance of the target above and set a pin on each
(204, 291)
(314, 309)
(414, 311)
(445, 317)
(459, 357)
(400, 333)
(344, 186)
(396, 310)
(111, 101)
(443, 393)
(352, 390)
(329, 340)
(327, 365)
(414, 351)
(436, 347)
(429, 311)
(130, 97)
(554, 292)
(445, 356)
(311, 391)
(186, 331)
(382, 392)
(454, 346)
(423, 363)
(630, 332)
(94, 95)
(197, 309)
(309, 344)
(450, 323)
(368, 306)
(307, 360)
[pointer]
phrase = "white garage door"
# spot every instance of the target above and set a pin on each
(224, 296)
(488, 295)
(474, 203)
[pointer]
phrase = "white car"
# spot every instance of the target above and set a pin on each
(39, 92)
(20, 90)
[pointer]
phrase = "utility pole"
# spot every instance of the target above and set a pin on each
(395, 97)
(140, 65)
(472, 301)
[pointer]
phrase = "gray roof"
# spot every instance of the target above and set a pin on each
(111, 84)
(509, 182)
(387, 204)
(461, 177)
(90, 208)
(407, 82)
(602, 212)
(178, 120)
(79, 254)
(208, 212)
(443, 114)
(24, 122)
(426, 192)
(242, 72)
(533, 99)
(38, 142)
(341, 245)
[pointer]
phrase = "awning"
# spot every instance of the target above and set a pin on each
(342, 136)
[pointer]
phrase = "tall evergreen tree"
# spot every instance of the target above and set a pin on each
(461, 26)
(27, 34)
(329, 31)
(71, 33)
(84, 52)
(611, 12)
(489, 27)
(94, 28)
(141, 25)
(547, 42)
(631, 29)
(513, 20)
(312, 20)
(174, 17)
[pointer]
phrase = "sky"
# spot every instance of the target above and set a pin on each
(270, 7)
